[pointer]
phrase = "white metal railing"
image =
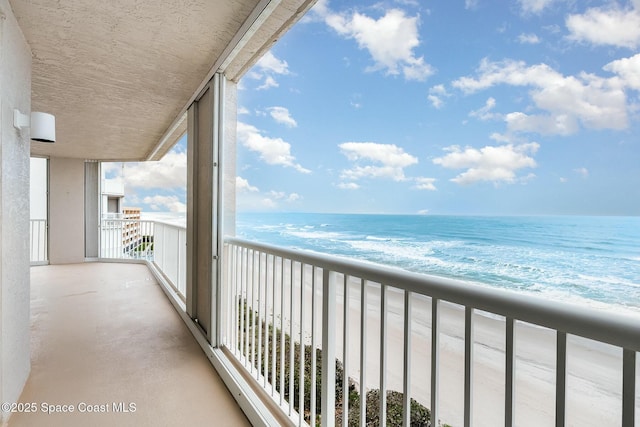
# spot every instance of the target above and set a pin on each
(38, 247)
(162, 243)
(170, 253)
(126, 239)
(276, 296)
(112, 215)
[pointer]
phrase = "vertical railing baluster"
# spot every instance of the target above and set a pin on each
(383, 355)
(435, 360)
(345, 352)
(38, 248)
(265, 373)
(178, 272)
(561, 377)
(245, 307)
(273, 327)
(363, 356)
(406, 381)
(253, 313)
(628, 387)
(509, 356)
(239, 302)
(259, 318)
(328, 349)
(225, 291)
(468, 366)
(301, 368)
(282, 339)
(291, 343)
(314, 384)
(234, 300)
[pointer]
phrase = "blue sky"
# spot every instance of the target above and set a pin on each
(456, 107)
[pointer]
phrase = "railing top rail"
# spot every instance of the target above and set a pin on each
(168, 224)
(610, 328)
(127, 219)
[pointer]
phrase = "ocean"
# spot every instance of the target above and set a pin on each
(589, 261)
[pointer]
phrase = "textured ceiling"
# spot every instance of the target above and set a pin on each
(117, 74)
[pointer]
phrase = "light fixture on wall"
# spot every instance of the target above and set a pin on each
(43, 125)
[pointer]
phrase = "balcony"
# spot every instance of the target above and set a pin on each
(473, 356)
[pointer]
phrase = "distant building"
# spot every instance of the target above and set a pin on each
(131, 235)
(112, 196)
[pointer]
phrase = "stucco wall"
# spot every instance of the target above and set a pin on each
(15, 92)
(66, 210)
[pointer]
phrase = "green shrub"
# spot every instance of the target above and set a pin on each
(420, 415)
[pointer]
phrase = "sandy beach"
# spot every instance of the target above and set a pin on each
(594, 370)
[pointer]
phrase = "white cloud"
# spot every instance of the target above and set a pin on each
(111, 169)
(423, 183)
(243, 110)
(273, 151)
(436, 93)
(423, 211)
(528, 39)
(628, 69)
(534, 6)
(243, 185)
(266, 68)
(293, 197)
(583, 172)
(435, 101)
(318, 12)
(560, 124)
(282, 115)
(273, 198)
(565, 102)
(606, 26)
(511, 72)
(388, 161)
(470, 4)
(491, 163)
(169, 172)
(270, 64)
(348, 186)
(390, 40)
(254, 200)
(269, 82)
(485, 112)
(162, 203)
(281, 195)
(498, 137)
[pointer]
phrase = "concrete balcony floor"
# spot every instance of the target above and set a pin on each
(106, 334)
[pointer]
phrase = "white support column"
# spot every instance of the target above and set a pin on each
(66, 211)
(15, 93)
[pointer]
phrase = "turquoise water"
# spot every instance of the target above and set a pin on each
(593, 261)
